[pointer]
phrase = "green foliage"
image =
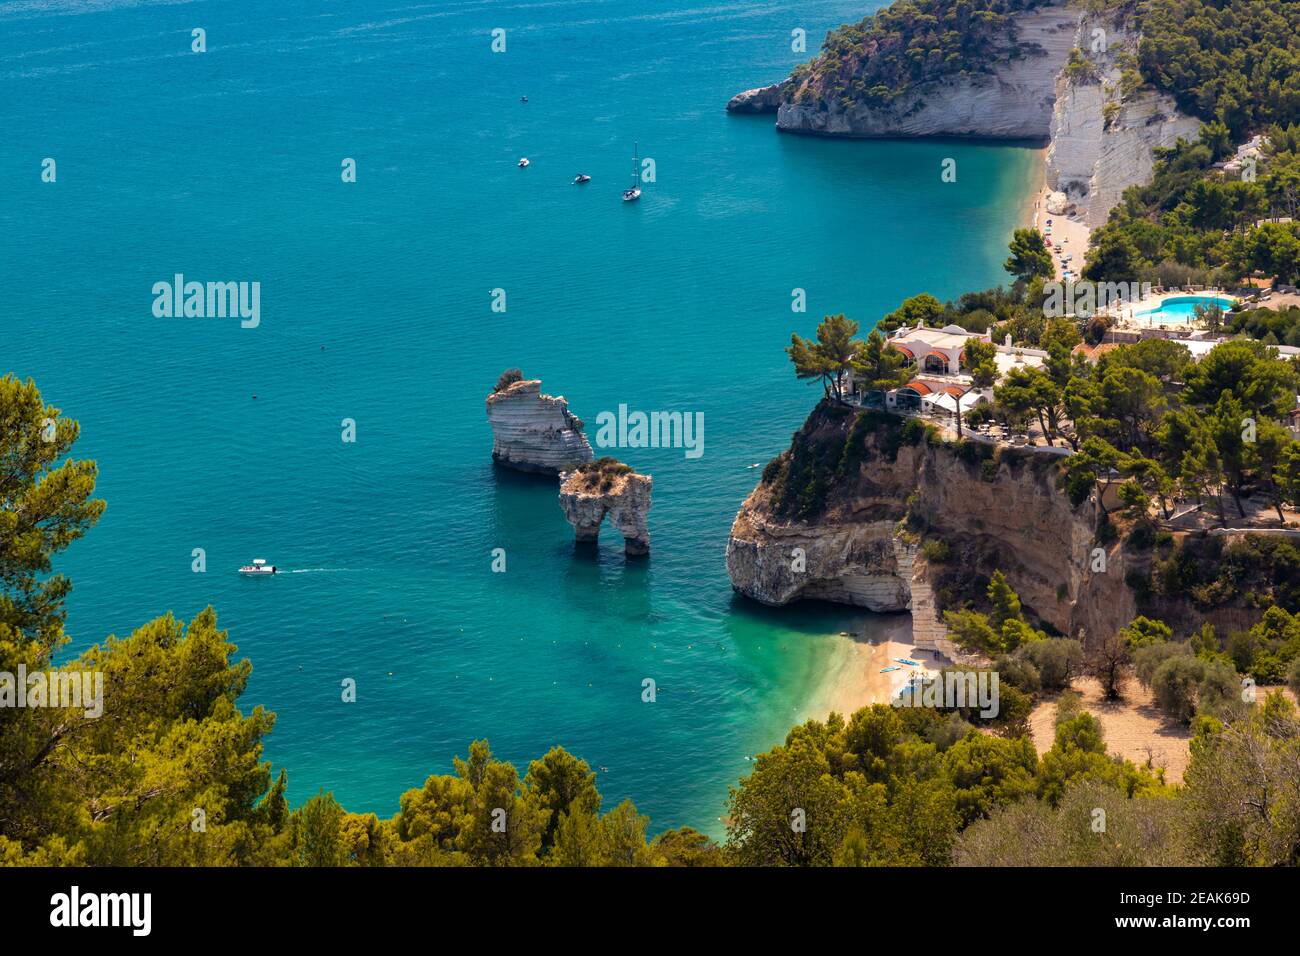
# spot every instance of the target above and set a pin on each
(1029, 257)
(936, 551)
(1256, 570)
(1238, 801)
(1138, 831)
(1233, 60)
(508, 378)
(1143, 631)
(1000, 631)
(1058, 660)
(830, 357)
(905, 44)
(1185, 686)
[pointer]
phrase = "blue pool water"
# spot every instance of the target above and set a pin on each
(1180, 309)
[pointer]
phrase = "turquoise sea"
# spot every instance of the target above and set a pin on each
(375, 306)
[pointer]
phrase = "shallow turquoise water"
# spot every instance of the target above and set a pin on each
(376, 307)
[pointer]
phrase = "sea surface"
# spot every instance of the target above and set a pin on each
(376, 307)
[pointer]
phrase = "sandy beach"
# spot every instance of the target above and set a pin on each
(1069, 233)
(1033, 196)
(855, 680)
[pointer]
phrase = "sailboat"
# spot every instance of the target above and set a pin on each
(633, 192)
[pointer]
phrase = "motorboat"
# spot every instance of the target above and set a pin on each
(581, 178)
(523, 162)
(259, 566)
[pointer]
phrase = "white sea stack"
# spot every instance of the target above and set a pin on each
(535, 432)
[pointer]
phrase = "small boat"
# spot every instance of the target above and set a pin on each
(523, 99)
(581, 178)
(523, 162)
(259, 566)
(633, 192)
(908, 661)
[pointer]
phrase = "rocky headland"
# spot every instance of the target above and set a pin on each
(842, 516)
(1051, 73)
(608, 487)
(534, 432)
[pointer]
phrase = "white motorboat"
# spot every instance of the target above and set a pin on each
(259, 566)
(523, 162)
(581, 178)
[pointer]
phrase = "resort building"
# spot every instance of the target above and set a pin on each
(941, 388)
(934, 351)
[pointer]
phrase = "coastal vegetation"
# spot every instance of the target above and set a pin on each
(507, 378)
(173, 773)
(909, 42)
(1144, 418)
(1236, 65)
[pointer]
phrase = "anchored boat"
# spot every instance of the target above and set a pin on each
(633, 193)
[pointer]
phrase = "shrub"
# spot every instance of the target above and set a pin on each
(936, 551)
(508, 378)
(1068, 706)
(1057, 660)
(1185, 686)
(1147, 660)
(773, 469)
(1019, 672)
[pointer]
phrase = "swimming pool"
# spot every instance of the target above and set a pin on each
(1182, 308)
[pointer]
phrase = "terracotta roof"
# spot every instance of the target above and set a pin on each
(1094, 352)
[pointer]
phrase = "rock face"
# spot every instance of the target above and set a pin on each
(1100, 138)
(1102, 141)
(535, 432)
(764, 99)
(1009, 516)
(588, 495)
(1013, 101)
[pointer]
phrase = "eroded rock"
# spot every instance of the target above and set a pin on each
(535, 432)
(608, 487)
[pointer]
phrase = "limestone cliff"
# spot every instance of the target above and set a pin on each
(1105, 127)
(1060, 75)
(837, 517)
(1011, 99)
(608, 487)
(535, 432)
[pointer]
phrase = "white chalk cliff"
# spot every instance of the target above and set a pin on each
(1102, 141)
(1013, 101)
(535, 432)
(1099, 141)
